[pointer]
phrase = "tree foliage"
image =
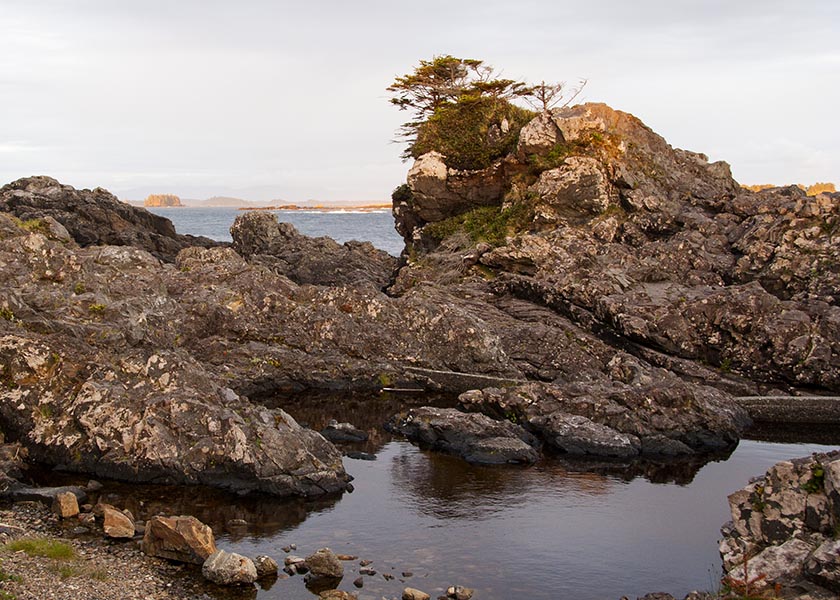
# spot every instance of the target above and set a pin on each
(461, 108)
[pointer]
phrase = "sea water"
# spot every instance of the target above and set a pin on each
(376, 227)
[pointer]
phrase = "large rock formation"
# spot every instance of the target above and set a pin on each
(259, 237)
(653, 250)
(783, 533)
(94, 217)
(605, 275)
(162, 200)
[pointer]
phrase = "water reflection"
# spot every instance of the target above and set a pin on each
(367, 412)
(237, 517)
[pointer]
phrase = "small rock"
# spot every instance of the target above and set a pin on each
(117, 524)
(237, 522)
(65, 505)
(93, 486)
(359, 455)
(387, 576)
(359, 582)
(266, 566)
(346, 557)
(414, 594)
(407, 574)
(324, 563)
(365, 562)
(87, 519)
(370, 571)
(459, 592)
(80, 530)
(229, 568)
(183, 539)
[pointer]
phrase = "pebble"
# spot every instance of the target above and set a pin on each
(359, 582)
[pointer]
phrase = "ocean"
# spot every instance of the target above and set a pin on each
(376, 227)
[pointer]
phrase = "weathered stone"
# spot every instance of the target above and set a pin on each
(459, 592)
(183, 539)
(65, 505)
(539, 136)
(414, 594)
(45, 495)
(475, 437)
(774, 564)
(117, 524)
(575, 434)
(324, 563)
(578, 189)
(823, 566)
(266, 566)
(93, 217)
(229, 568)
(259, 237)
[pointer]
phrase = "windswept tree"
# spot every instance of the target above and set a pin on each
(461, 109)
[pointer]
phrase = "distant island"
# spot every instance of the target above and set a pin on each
(162, 200)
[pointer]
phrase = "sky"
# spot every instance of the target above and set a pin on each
(268, 99)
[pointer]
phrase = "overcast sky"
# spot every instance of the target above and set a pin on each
(273, 99)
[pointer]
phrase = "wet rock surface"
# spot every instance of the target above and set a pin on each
(783, 527)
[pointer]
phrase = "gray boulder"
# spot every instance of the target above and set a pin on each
(229, 568)
(475, 437)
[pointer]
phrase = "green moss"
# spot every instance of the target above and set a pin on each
(816, 484)
(726, 365)
(42, 547)
(79, 288)
(491, 224)
(6, 313)
(97, 309)
(35, 225)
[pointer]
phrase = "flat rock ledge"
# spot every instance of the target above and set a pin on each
(783, 533)
(474, 437)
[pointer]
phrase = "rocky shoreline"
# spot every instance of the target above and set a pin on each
(595, 292)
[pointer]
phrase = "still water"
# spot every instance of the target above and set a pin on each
(376, 227)
(558, 529)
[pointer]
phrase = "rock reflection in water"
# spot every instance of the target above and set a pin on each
(236, 517)
(367, 412)
(450, 488)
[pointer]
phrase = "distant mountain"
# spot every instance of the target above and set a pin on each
(225, 201)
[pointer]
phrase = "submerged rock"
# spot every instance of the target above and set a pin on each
(266, 566)
(343, 432)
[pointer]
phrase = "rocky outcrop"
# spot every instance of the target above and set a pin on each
(93, 217)
(260, 238)
(783, 530)
(654, 250)
(634, 411)
(474, 437)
